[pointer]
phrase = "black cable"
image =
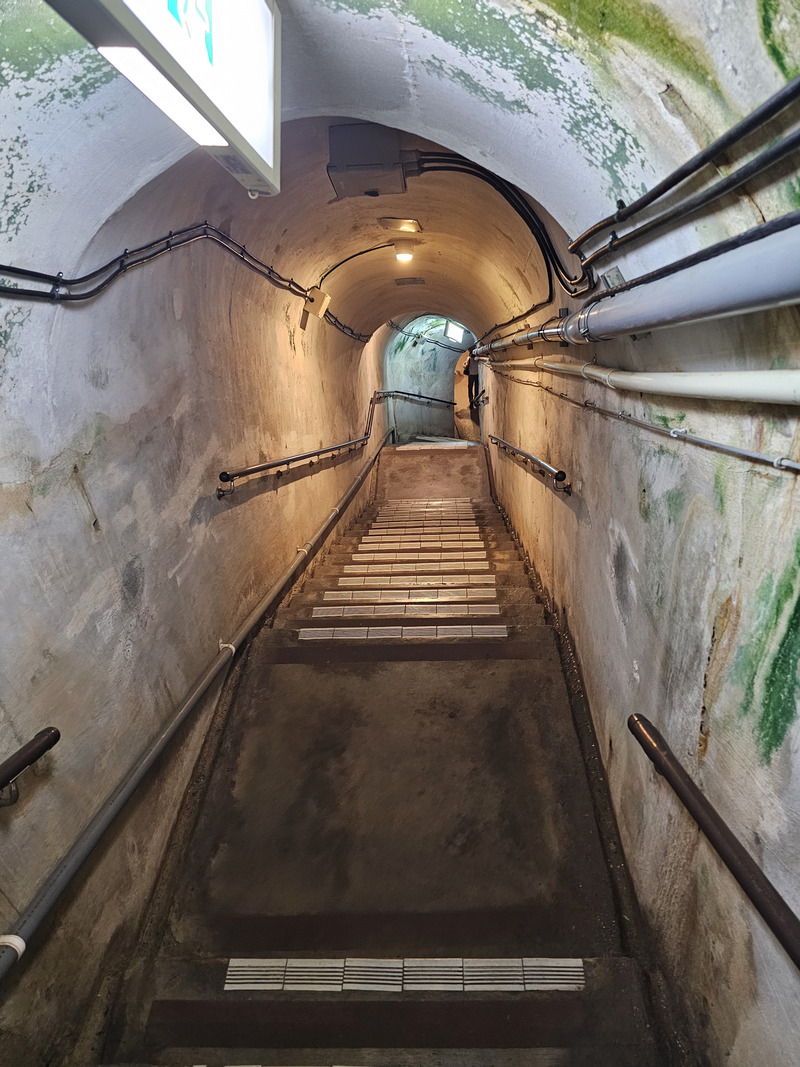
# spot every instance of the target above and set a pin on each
(355, 255)
(540, 235)
(768, 110)
(766, 229)
(347, 330)
(432, 161)
(147, 253)
(694, 203)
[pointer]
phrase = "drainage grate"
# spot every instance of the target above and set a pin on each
(444, 975)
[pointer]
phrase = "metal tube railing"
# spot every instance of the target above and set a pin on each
(26, 755)
(415, 396)
(557, 475)
(228, 476)
(12, 945)
(777, 914)
(351, 446)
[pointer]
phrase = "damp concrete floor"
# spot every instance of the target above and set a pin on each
(420, 808)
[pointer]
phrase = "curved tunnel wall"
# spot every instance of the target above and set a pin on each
(676, 570)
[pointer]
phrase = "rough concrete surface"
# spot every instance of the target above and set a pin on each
(675, 568)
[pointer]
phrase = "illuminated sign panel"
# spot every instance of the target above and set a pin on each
(221, 56)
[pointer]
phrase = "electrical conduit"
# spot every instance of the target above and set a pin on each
(760, 387)
(758, 273)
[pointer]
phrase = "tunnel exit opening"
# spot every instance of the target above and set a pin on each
(423, 356)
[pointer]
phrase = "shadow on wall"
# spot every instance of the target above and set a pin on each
(420, 358)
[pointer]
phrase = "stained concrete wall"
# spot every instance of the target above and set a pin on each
(676, 569)
(123, 570)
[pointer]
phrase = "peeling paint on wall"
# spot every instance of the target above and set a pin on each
(767, 666)
(525, 45)
(43, 63)
(448, 72)
(13, 321)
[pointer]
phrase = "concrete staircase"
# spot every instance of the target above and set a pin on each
(397, 861)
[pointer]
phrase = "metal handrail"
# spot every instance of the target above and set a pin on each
(228, 476)
(12, 948)
(415, 396)
(26, 755)
(539, 465)
(16, 763)
(350, 446)
(777, 914)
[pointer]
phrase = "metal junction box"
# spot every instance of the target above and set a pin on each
(365, 160)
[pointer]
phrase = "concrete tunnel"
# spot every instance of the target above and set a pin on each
(673, 567)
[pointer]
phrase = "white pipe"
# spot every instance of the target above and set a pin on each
(760, 387)
(761, 273)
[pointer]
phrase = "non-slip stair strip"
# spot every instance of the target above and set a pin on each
(404, 633)
(402, 533)
(410, 596)
(462, 567)
(466, 523)
(408, 580)
(449, 975)
(343, 611)
(434, 545)
(433, 556)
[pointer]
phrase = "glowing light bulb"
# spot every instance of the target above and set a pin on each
(403, 251)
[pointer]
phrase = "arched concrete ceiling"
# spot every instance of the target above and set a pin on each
(479, 262)
(576, 104)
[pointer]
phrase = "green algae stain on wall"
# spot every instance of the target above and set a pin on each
(34, 41)
(675, 503)
(780, 28)
(720, 488)
(644, 26)
(767, 666)
(526, 45)
(44, 65)
(492, 96)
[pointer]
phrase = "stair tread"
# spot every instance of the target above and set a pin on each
(609, 1010)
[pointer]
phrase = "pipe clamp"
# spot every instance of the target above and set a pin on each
(12, 941)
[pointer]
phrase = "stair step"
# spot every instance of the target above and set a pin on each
(199, 1014)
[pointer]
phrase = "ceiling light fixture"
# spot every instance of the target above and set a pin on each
(403, 251)
(403, 225)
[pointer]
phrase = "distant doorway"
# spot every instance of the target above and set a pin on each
(421, 358)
